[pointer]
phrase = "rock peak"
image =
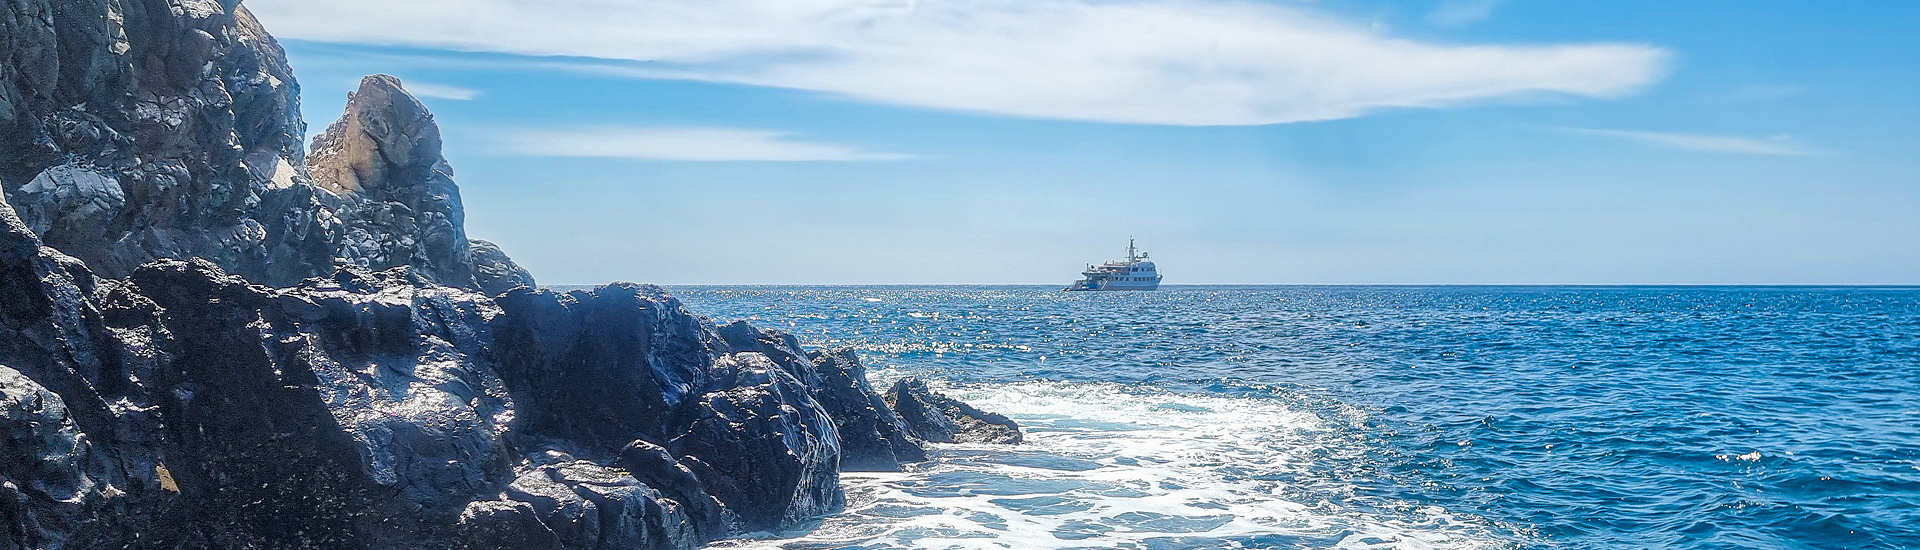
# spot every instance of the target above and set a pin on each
(385, 134)
(401, 206)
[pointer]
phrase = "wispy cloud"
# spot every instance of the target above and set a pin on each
(692, 144)
(1182, 62)
(1776, 146)
(441, 91)
(1455, 13)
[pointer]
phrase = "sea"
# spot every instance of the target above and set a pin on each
(1383, 416)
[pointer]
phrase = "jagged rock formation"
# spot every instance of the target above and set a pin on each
(931, 416)
(494, 272)
(399, 203)
(277, 353)
(136, 130)
(384, 410)
(872, 436)
(143, 129)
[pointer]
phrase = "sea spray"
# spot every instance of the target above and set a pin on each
(1110, 465)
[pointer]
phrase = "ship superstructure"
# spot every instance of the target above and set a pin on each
(1134, 273)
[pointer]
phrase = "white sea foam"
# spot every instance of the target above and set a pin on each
(1108, 465)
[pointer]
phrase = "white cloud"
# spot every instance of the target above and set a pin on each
(1779, 145)
(694, 144)
(1183, 62)
(441, 91)
(1454, 13)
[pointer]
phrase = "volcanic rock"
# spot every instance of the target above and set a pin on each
(600, 368)
(934, 417)
(134, 130)
(872, 436)
(763, 446)
(586, 505)
(494, 272)
(278, 354)
(400, 205)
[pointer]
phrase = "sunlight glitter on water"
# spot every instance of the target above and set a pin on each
(1565, 417)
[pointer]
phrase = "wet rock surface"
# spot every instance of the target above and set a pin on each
(872, 436)
(762, 446)
(934, 417)
(209, 339)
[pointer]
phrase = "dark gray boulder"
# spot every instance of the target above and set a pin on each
(655, 466)
(51, 481)
(248, 442)
(494, 272)
(934, 417)
(872, 436)
(780, 347)
(586, 505)
(592, 371)
(600, 368)
(364, 404)
(762, 446)
(133, 130)
(79, 434)
(504, 524)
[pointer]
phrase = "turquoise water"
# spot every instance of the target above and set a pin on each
(1388, 417)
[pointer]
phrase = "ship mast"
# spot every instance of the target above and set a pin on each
(1130, 255)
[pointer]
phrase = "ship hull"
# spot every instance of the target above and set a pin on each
(1082, 286)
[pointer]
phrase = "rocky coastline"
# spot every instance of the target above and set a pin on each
(214, 337)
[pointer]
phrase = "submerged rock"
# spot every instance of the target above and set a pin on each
(934, 417)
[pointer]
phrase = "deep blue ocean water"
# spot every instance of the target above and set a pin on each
(1386, 417)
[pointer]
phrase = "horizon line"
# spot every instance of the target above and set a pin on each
(1590, 285)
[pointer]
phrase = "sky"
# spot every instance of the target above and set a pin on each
(1278, 142)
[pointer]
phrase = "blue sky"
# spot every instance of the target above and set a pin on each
(994, 141)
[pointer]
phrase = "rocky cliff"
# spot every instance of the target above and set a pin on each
(144, 129)
(210, 339)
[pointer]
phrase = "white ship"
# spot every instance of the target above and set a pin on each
(1136, 273)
